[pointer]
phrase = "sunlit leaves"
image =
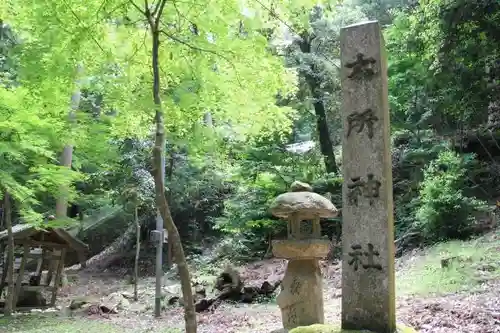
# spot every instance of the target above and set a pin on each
(28, 136)
(206, 66)
(213, 58)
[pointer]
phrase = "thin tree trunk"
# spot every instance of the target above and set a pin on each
(207, 120)
(325, 142)
(62, 199)
(67, 154)
(169, 199)
(137, 252)
(9, 301)
(2, 212)
(158, 153)
(114, 251)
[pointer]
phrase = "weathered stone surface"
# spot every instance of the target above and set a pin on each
(301, 249)
(115, 302)
(368, 296)
(303, 205)
(318, 328)
(81, 301)
(300, 187)
(128, 295)
(301, 299)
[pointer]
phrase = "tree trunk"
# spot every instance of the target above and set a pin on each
(112, 252)
(2, 212)
(158, 153)
(9, 301)
(137, 252)
(325, 142)
(67, 154)
(207, 120)
(62, 199)
(169, 176)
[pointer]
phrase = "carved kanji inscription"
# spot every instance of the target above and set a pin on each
(295, 286)
(369, 188)
(365, 259)
(362, 67)
(360, 120)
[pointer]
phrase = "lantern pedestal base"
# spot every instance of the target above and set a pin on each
(301, 298)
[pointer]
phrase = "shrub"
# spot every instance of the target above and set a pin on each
(444, 211)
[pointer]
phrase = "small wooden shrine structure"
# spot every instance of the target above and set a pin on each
(47, 248)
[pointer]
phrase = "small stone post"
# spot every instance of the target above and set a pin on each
(301, 298)
(368, 296)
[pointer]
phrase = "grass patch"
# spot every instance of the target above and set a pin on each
(41, 324)
(52, 324)
(469, 264)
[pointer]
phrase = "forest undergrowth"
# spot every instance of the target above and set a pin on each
(452, 287)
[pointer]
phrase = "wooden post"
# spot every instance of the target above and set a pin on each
(39, 263)
(57, 278)
(10, 253)
(20, 275)
(5, 268)
(82, 259)
(53, 265)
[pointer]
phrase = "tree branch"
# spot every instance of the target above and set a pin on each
(200, 49)
(193, 47)
(145, 12)
(158, 9)
(137, 48)
(159, 13)
(138, 8)
(87, 28)
(179, 16)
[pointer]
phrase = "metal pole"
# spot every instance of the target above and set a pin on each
(159, 249)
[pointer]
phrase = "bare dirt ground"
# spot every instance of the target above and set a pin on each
(477, 312)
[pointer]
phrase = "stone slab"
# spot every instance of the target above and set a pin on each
(302, 205)
(368, 293)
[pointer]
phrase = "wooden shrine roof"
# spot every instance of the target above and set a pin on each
(25, 232)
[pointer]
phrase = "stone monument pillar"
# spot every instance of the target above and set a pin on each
(368, 300)
(301, 298)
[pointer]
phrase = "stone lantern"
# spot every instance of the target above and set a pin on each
(301, 298)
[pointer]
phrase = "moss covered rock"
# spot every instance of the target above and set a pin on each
(319, 328)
